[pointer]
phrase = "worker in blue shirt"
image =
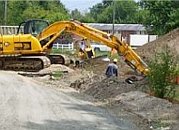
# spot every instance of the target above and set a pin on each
(112, 69)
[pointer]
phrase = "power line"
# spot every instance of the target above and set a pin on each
(113, 17)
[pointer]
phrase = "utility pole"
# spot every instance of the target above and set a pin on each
(113, 19)
(5, 12)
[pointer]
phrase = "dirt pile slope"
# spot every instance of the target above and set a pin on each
(106, 88)
(171, 40)
(159, 113)
(120, 96)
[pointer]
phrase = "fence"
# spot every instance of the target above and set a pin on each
(8, 29)
(68, 46)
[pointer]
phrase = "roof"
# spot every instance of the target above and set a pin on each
(126, 27)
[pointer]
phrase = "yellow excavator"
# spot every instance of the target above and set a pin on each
(30, 48)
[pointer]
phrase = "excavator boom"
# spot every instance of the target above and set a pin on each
(75, 27)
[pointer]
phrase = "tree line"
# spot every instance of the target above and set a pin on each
(158, 16)
(18, 11)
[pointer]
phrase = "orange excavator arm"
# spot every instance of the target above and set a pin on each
(75, 27)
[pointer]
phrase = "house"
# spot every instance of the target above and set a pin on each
(122, 31)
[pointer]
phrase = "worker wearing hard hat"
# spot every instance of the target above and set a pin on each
(112, 69)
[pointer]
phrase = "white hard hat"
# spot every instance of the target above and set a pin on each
(106, 59)
(115, 60)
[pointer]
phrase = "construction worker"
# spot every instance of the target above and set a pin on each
(82, 45)
(112, 69)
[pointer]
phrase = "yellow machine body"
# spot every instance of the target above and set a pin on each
(19, 44)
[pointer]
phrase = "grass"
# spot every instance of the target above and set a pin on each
(101, 53)
(57, 74)
(63, 51)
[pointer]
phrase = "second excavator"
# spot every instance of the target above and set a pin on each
(30, 49)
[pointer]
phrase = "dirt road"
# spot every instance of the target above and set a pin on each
(26, 104)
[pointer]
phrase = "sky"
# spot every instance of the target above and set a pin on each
(81, 5)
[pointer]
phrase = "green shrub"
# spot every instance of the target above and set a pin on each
(162, 74)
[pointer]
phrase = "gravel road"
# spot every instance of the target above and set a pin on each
(26, 104)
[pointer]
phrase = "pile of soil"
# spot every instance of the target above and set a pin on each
(121, 96)
(158, 112)
(105, 88)
(97, 85)
(56, 67)
(170, 40)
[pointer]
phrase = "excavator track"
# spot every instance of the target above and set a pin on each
(24, 63)
(59, 59)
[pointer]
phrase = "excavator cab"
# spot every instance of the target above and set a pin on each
(33, 26)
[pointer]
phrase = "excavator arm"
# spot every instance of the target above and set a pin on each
(75, 27)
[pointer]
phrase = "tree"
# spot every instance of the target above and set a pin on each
(173, 22)
(19, 11)
(140, 16)
(75, 14)
(52, 10)
(86, 18)
(124, 11)
(14, 11)
(159, 16)
(96, 10)
(162, 72)
(163, 15)
(1, 12)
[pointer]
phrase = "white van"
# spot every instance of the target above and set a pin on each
(100, 47)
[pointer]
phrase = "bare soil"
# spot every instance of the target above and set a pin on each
(169, 41)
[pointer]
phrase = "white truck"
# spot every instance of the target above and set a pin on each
(99, 47)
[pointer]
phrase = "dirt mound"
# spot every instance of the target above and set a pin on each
(105, 88)
(116, 93)
(56, 67)
(121, 96)
(170, 40)
(142, 103)
(158, 112)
